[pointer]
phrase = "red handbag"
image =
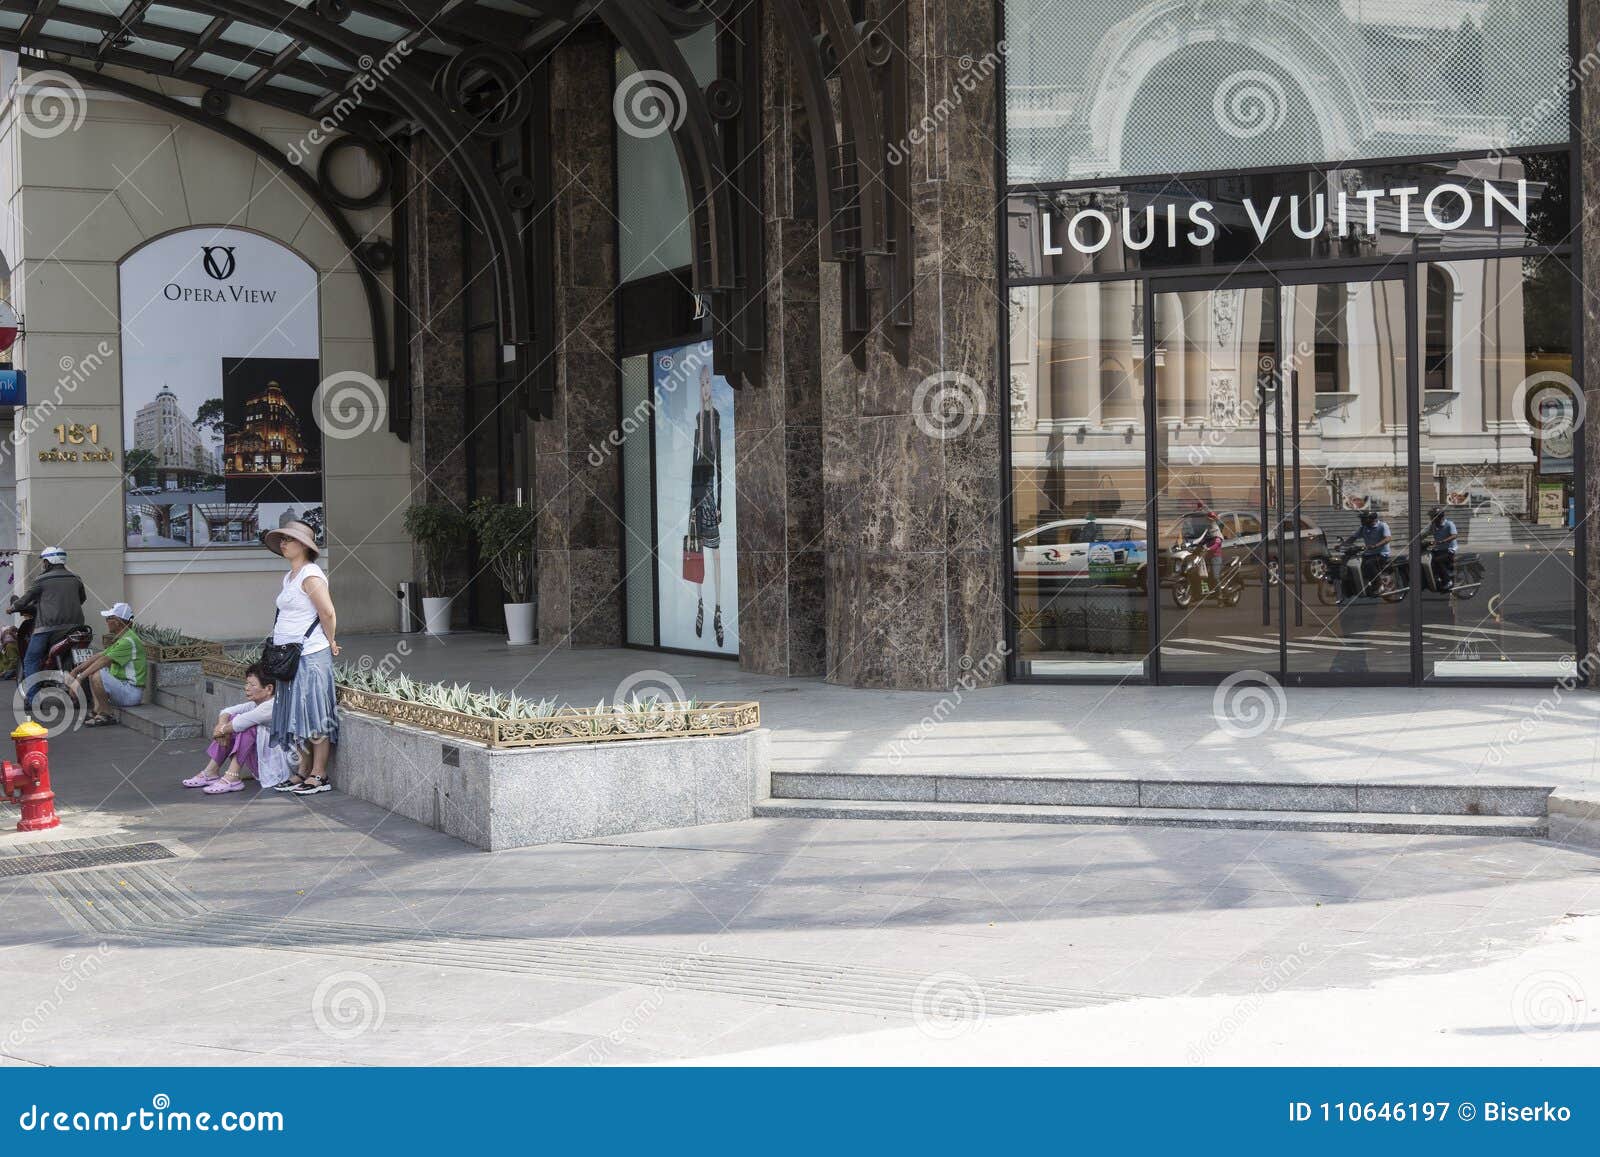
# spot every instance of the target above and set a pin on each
(694, 560)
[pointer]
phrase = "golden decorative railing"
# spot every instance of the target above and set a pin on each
(568, 725)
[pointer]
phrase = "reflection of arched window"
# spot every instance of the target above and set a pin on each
(1436, 338)
(1331, 341)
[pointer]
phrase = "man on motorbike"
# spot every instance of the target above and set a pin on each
(1374, 536)
(1444, 535)
(1209, 543)
(56, 601)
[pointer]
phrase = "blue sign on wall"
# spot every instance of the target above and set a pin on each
(13, 387)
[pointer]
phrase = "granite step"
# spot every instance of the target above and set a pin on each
(1163, 817)
(159, 722)
(185, 700)
(1511, 800)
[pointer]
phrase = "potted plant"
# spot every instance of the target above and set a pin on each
(439, 530)
(505, 539)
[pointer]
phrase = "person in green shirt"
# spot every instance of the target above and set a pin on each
(116, 675)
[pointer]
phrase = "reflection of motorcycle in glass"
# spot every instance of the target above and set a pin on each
(1191, 578)
(1468, 577)
(1341, 579)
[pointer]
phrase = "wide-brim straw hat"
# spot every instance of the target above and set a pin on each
(299, 531)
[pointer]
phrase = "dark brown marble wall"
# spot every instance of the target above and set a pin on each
(911, 452)
(779, 423)
(438, 369)
(579, 552)
(1589, 176)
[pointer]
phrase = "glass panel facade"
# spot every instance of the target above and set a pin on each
(652, 207)
(1080, 543)
(1094, 90)
(1500, 415)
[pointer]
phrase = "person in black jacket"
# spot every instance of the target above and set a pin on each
(705, 501)
(56, 601)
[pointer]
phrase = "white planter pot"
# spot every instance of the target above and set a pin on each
(436, 616)
(519, 624)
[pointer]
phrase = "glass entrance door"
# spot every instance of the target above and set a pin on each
(1282, 432)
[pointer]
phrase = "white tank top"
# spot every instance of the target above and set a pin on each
(296, 613)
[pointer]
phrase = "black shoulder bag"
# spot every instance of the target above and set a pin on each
(279, 661)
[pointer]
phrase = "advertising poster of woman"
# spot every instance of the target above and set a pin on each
(696, 529)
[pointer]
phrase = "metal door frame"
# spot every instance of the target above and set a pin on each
(1401, 269)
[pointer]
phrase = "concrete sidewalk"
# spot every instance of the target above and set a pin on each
(291, 931)
(1449, 735)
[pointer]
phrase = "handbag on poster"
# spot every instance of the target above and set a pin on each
(694, 559)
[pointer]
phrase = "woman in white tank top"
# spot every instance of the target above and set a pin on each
(305, 713)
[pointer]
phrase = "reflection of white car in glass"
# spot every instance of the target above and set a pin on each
(145, 491)
(1105, 550)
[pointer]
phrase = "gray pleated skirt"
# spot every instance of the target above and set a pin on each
(305, 708)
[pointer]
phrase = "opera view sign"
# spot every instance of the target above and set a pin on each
(220, 348)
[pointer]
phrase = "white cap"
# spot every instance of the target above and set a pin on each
(119, 611)
(53, 554)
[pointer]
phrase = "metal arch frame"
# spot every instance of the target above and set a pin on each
(308, 185)
(415, 96)
(643, 35)
(812, 81)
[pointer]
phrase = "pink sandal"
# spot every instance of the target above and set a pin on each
(224, 784)
(201, 780)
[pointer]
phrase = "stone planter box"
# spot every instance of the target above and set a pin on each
(498, 798)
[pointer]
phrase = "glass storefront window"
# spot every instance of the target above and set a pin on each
(1080, 540)
(1095, 90)
(1500, 414)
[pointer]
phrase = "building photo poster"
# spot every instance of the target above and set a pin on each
(220, 348)
(696, 508)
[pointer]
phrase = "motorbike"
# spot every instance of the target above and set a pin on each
(1190, 578)
(69, 647)
(1341, 573)
(1468, 577)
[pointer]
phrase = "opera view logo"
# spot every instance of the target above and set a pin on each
(218, 261)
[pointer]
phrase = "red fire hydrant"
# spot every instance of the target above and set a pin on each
(28, 781)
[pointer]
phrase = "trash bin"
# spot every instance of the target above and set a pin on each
(408, 609)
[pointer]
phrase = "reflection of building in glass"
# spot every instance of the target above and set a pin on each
(268, 440)
(177, 450)
(230, 522)
(1171, 86)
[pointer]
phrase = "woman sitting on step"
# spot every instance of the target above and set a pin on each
(240, 742)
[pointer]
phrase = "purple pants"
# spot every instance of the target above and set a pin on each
(241, 745)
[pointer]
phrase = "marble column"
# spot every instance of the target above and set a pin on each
(579, 548)
(911, 452)
(438, 367)
(779, 422)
